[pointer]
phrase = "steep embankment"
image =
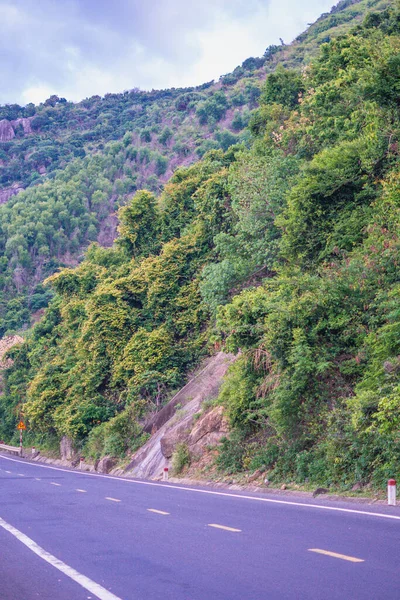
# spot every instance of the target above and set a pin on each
(177, 424)
(288, 250)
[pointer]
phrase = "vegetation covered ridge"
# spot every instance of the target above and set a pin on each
(286, 249)
(78, 163)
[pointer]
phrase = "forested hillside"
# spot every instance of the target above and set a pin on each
(78, 163)
(284, 247)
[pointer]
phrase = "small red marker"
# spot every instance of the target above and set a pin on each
(391, 492)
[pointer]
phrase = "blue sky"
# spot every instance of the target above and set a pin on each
(77, 48)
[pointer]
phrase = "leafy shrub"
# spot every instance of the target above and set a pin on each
(232, 452)
(180, 458)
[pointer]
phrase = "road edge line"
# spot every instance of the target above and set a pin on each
(82, 580)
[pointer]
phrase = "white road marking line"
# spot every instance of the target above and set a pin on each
(223, 527)
(78, 490)
(158, 512)
(82, 580)
(336, 555)
(38, 479)
(21, 474)
(214, 493)
(112, 499)
(8, 472)
(53, 483)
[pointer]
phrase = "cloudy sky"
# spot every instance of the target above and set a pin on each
(77, 48)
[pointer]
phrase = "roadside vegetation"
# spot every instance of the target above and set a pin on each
(78, 163)
(284, 246)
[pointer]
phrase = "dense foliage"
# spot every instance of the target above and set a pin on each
(79, 162)
(126, 324)
(316, 391)
(286, 248)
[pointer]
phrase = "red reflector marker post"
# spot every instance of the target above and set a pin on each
(165, 473)
(81, 462)
(392, 492)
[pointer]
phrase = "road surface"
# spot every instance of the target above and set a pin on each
(66, 535)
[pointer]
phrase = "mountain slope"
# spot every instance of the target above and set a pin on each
(80, 162)
(286, 249)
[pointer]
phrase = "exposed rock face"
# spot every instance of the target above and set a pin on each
(204, 384)
(106, 464)
(6, 131)
(67, 450)
(8, 193)
(255, 476)
(208, 431)
(169, 428)
(176, 435)
(357, 486)
(25, 122)
(5, 344)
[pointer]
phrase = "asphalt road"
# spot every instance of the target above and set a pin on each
(66, 535)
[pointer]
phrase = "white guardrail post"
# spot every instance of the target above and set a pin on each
(392, 492)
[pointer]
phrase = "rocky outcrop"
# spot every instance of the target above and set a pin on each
(105, 464)
(25, 122)
(178, 434)
(204, 384)
(8, 193)
(7, 132)
(67, 449)
(7, 128)
(171, 427)
(208, 430)
(5, 344)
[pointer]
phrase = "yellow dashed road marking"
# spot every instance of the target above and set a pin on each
(223, 527)
(336, 555)
(159, 512)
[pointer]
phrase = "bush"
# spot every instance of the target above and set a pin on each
(232, 452)
(180, 458)
(283, 87)
(116, 437)
(161, 163)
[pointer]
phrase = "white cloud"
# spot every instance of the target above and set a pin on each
(228, 44)
(78, 48)
(10, 16)
(36, 93)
